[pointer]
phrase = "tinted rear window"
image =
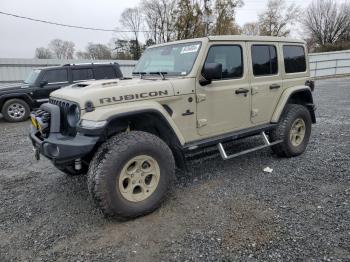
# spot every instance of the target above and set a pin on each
(104, 72)
(82, 74)
(294, 59)
(264, 59)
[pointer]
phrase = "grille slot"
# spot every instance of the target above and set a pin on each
(65, 129)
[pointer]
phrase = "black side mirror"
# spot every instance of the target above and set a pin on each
(43, 83)
(210, 72)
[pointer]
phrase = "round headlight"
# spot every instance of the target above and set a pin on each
(73, 115)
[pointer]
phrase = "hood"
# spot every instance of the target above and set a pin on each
(107, 92)
(12, 87)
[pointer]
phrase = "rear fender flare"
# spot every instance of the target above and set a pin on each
(285, 98)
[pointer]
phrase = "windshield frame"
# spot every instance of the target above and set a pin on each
(31, 75)
(134, 72)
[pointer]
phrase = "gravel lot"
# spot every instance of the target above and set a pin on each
(218, 211)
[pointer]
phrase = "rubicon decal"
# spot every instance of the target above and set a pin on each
(133, 96)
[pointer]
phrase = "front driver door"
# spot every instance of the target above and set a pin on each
(224, 105)
(55, 78)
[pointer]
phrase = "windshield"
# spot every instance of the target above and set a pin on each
(32, 77)
(174, 60)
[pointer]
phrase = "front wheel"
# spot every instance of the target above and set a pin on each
(294, 130)
(15, 110)
(130, 174)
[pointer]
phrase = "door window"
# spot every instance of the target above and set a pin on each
(294, 59)
(56, 76)
(264, 58)
(230, 56)
(104, 72)
(82, 74)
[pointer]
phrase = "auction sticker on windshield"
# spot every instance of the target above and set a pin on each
(190, 49)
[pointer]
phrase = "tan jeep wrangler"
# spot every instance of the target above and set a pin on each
(129, 134)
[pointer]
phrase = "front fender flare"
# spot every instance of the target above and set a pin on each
(112, 112)
(22, 96)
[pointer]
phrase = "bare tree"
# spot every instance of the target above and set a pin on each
(98, 51)
(82, 55)
(277, 18)
(62, 49)
(251, 29)
(131, 19)
(43, 53)
(160, 19)
(327, 22)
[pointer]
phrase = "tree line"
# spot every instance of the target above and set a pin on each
(325, 26)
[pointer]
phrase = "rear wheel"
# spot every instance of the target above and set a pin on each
(130, 174)
(15, 110)
(294, 130)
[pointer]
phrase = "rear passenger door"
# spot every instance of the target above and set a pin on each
(266, 80)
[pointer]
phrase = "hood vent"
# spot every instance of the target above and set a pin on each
(80, 85)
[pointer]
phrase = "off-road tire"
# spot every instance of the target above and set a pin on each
(291, 113)
(24, 106)
(108, 163)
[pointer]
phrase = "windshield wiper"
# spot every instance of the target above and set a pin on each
(139, 73)
(159, 73)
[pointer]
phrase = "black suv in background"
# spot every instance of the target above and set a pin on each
(17, 101)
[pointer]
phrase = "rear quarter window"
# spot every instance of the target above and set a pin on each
(294, 59)
(105, 72)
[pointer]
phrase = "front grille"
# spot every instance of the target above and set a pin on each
(65, 128)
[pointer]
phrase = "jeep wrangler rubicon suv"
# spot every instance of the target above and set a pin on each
(16, 100)
(128, 135)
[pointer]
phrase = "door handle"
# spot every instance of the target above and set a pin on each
(241, 91)
(275, 86)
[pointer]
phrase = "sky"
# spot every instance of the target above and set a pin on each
(19, 38)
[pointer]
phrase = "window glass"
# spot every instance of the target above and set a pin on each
(230, 56)
(172, 60)
(294, 59)
(82, 74)
(104, 72)
(53, 76)
(264, 58)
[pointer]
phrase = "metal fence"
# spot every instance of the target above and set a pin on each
(330, 64)
(16, 70)
(321, 65)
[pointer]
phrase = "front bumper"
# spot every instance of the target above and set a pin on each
(61, 149)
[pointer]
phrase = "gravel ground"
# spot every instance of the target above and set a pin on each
(217, 211)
